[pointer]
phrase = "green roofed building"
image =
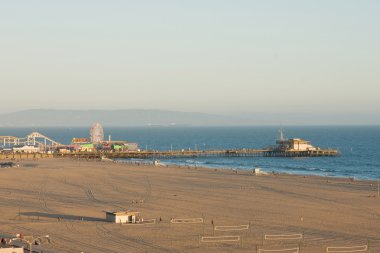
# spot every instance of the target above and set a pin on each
(87, 147)
(117, 147)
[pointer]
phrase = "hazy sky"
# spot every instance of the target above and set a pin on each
(206, 56)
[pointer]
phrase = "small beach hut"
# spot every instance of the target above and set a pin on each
(123, 217)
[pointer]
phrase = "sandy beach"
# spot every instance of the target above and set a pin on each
(65, 199)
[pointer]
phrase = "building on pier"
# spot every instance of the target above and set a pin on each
(26, 149)
(294, 144)
(98, 143)
(123, 146)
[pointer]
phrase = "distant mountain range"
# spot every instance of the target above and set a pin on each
(127, 118)
(73, 118)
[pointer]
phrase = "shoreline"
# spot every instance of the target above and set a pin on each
(147, 162)
(249, 171)
(221, 170)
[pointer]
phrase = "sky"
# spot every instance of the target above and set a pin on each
(212, 56)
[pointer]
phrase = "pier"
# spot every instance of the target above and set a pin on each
(201, 153)
(17, 155)
(36, 145)
(175, 154)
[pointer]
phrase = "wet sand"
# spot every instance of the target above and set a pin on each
(65, 199)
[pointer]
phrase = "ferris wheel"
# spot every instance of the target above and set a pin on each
(96, 133)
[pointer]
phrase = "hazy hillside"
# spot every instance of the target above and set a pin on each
(113, 118)
(124, 118)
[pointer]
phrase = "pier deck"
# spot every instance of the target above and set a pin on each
(203, 153)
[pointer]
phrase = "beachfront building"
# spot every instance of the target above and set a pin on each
(123, 217)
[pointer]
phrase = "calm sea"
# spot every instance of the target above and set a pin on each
(359, 146)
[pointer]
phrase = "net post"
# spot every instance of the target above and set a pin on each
(369, 251)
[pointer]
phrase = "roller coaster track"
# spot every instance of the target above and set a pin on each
(34, 138)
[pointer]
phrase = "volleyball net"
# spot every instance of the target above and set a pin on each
(186, 220)
(281, 237)
(231, 228)
(361, 248)
(289, 250)
(220, 239)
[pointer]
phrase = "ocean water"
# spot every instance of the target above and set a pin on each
(359, 146)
